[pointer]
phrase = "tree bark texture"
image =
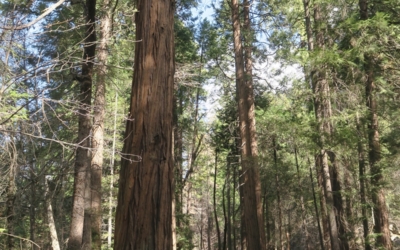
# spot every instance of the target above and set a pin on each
(98, 126)
(381, 217)
(82, 158)
(251, 178)
(144, 211)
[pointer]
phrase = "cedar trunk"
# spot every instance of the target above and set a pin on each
(144, 211)
(251, 178)
(82, 158)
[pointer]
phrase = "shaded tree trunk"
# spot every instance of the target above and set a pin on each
(278, 195)
(251, 178)
(381, 227)
(362, 177)
(320, 234)
(303, 210)
(322, 106)
(82, 158)
(215, 202)
(11, 192)
(98, 126)
(111, 198)
(338, 202)
(144, 211)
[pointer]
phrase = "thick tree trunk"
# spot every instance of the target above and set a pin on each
(338, 202)
(82, 158)
(144, 211)
(381, 227)
(251, 177)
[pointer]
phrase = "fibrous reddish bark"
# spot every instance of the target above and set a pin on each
(254, 222)
(144, 211)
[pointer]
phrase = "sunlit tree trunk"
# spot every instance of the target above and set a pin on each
(144, 211)
(82, 158)
(55, 244)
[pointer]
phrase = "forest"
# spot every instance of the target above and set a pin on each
(199, 124)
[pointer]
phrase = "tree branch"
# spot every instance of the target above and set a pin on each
(47, 11)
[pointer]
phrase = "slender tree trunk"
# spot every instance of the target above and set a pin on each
(144, 211)
(111, 196)
(234, 206)
(178, 152)
(215, 202)
(225, 214)
(50, 219)
(82, 158)
(32, 208)
(266, 219)
(381, 226)
(98, 126)
(251, 177)
(303, 210)
(363, 179)
(321, 237)
(278, 196)
(229, 206)
(87, 222)
(11, 193)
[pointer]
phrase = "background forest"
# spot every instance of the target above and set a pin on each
(316, 82)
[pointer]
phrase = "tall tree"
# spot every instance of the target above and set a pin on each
(98, 124)
(144, 210)
(322, 106)
(82, 158)
(252, 206)
(381, 216)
